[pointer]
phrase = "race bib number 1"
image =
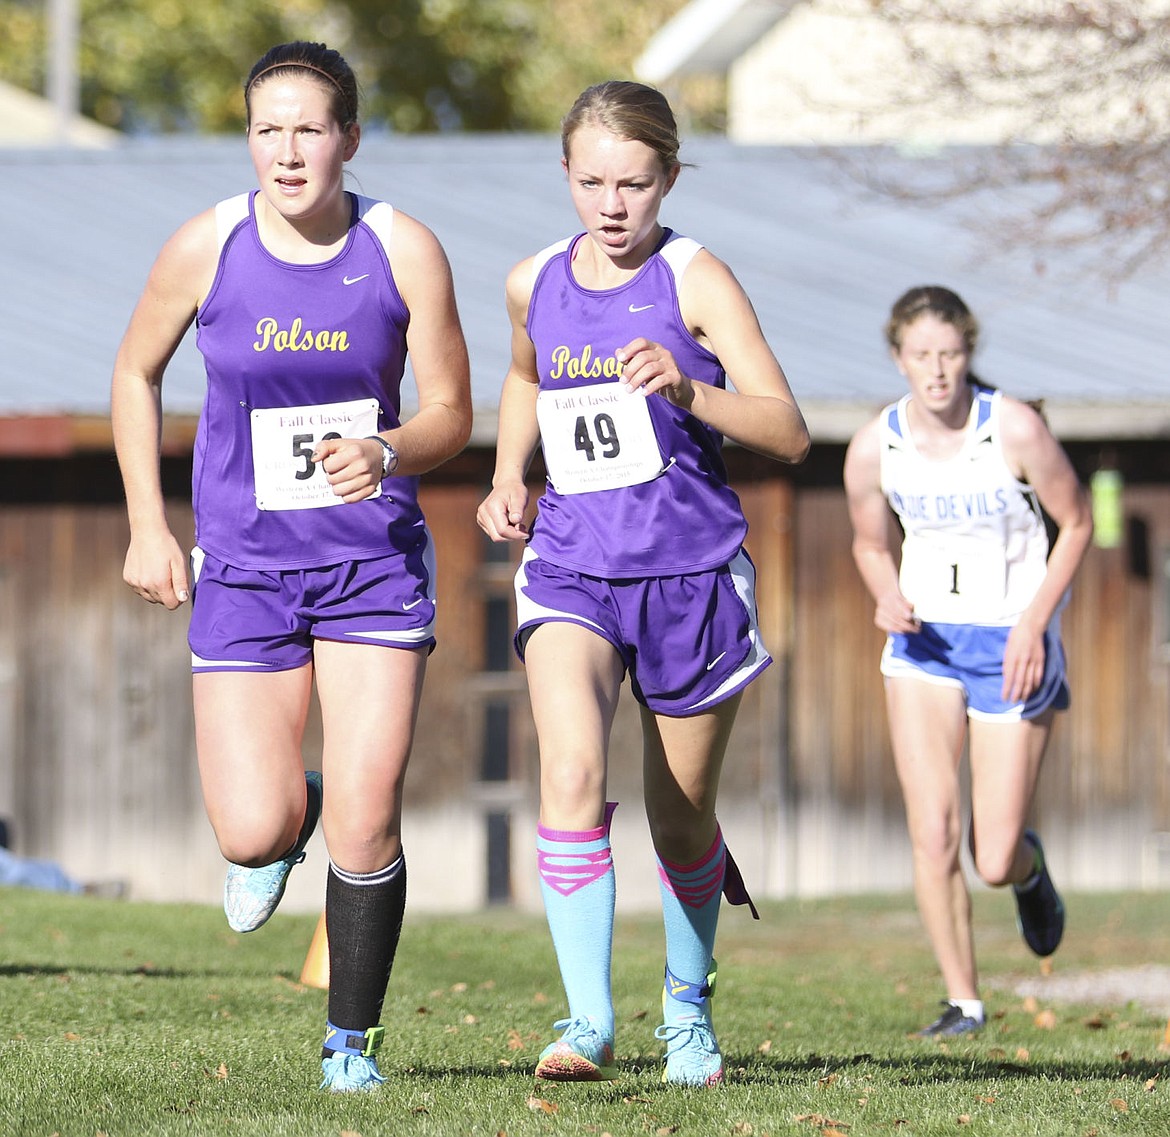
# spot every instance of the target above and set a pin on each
(283, 439)
(598, 437)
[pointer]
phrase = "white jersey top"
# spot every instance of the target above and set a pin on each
(975, 546)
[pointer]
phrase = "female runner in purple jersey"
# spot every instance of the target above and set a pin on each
(972, 614)
(312, 561)
(622, 340)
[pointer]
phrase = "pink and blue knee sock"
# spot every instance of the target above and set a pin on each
(577, 883)
(691, 895)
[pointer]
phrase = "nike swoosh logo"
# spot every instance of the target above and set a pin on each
(354, 279)
(640, 307)
(716, 660)
(413, 604)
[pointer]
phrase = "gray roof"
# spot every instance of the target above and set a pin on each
(821, 263)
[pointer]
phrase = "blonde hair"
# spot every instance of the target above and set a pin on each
(629, 110)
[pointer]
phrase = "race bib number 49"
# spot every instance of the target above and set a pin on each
(597, 438)
(283, 439)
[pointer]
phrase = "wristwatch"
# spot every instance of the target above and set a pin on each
(389, 455)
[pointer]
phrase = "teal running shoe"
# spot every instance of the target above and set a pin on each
(350, 1073)
(250, 896)
(692, 1052)
(351, 1067)
(581, 1054)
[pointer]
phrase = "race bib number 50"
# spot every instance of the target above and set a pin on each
(598, 437)
(283, 439)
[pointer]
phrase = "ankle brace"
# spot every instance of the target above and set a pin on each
(363, 1042)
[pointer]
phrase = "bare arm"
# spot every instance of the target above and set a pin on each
(438, 355)
(869, 513)
(1037, 458)
(501, 514)
(760, 413)
(155, 566)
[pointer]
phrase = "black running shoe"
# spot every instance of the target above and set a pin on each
(950, 1023)
(1040, 909)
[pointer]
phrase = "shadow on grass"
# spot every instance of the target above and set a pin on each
(910, 1070)
(145, 971)
(931, 1067)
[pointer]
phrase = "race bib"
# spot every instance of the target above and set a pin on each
(598, 437)
(283, 439)
(949, 584)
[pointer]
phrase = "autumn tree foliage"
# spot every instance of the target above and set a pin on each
(424, 65)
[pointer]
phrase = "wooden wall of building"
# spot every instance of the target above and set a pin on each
(97, 766)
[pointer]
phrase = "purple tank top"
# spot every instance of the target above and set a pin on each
(290, 350)
(682, 518)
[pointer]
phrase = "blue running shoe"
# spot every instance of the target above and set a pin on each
(950, 1023)
(581, 1054)
(250, 896)
(350, 1073)
(692, 1052)
(1040, 911)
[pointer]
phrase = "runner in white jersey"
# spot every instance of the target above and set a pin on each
(973, 652)
(623, 340)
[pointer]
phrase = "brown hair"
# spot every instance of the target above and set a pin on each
(315, 59)
(948, 306)
(629, 110)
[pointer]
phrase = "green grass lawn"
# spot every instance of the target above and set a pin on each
(134, 1019)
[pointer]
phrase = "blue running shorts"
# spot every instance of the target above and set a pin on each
(688, 642)
(970, 657)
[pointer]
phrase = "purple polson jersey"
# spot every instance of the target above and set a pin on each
(637, 486)
(296, 353)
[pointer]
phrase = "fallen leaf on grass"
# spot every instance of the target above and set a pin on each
(630, 1100)
(665, 1130)
(1031, 1006)
(819, 1119)
(1094, 1022)
(743, 1128)
(515, 1042)
(1023, 1054)
(1151, 1085)
(963, 1119)
(539, 1105)
(1120, 1105)
(71, 1036)
(765, 1047)
(986, 1099)
(1045, 1020)
(828, 1080)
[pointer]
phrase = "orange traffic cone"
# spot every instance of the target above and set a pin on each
(315, 973)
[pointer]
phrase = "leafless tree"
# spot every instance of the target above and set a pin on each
(1075, 99)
